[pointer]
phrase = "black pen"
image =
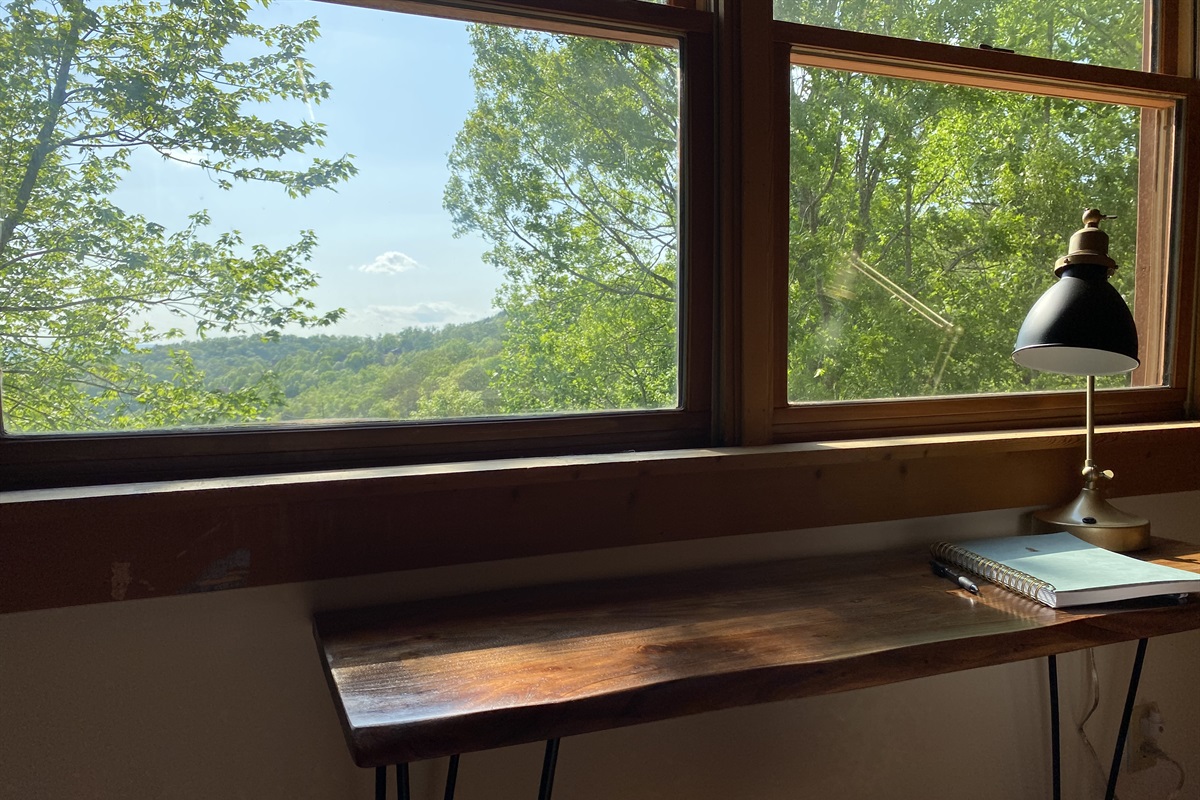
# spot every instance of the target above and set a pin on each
(941, 570)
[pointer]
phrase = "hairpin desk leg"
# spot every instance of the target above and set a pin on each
(1123, 731)
(548, 765)
(402, 782)
(451, 777)
(1055, 745)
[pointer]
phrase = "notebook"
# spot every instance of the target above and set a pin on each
(1060, 570)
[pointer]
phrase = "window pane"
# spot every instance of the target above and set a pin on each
(925, 221)
(220, 215)
(1090, 31)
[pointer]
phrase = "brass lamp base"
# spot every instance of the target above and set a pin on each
(1090, 517)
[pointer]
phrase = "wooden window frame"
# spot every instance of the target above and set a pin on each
(103, 458)
(758, 382)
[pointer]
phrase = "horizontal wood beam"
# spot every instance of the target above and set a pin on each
(72, 546)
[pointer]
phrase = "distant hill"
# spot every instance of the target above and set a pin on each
(414, 373)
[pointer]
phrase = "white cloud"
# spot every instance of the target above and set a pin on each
(374, 320)
(390, 263)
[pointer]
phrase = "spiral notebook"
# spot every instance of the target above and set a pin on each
(1060, 570)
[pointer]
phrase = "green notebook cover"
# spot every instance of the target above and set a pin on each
(1061, 570)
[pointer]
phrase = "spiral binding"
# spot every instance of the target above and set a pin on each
(1012, 579)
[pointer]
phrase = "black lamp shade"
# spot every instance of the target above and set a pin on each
(1080, 326)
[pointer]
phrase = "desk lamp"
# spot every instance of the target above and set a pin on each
(1082, 326)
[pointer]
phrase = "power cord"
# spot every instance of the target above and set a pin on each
(1094, 687)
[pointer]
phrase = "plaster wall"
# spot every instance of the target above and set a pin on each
(221, 695)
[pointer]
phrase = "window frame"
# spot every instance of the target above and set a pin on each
(733, 212)
(31, 461)
(765, 413)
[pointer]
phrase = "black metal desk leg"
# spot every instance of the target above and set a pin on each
(1055, 744)
(402, 782)
(381, 783)
(548, 765)
(1123, 731)
(451, 777)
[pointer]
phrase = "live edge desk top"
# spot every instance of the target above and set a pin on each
(452, 675)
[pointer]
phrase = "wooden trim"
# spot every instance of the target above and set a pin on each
(779, 258)
(640, 21)
(728, 352)
(97, 544)
(1157, 166)
(698, 237)
(1162, 26)
(1186, 254)
(885, 55)
(979, 413)
(74, 459)
(758, 177)
(1186, 355)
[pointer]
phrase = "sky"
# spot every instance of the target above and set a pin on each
(401, 90)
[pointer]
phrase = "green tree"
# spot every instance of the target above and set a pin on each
(960, 198)
(568, 165)
(85, 88)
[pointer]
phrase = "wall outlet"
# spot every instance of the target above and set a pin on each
(1145, 729)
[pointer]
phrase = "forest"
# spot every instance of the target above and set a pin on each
(416, 373)
(905, 195)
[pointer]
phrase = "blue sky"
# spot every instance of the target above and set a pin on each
(401, 90)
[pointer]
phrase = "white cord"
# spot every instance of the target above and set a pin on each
(1094, 685)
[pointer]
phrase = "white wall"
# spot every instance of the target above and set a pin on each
(222, 696)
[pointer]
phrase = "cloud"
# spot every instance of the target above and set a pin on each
(374, 320)
(390, 263)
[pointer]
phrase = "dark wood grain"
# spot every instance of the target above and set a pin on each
(63, 547)
(449, 675)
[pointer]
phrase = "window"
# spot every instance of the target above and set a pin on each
(920, 194)
(924, 219)
(313, 229)
(267, 238)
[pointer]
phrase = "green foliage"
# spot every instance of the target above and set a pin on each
(568, 165)
(84, 89)
(413, 374)
(1089, 31)
(963, 198)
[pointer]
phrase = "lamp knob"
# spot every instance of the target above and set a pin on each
(1093, 475)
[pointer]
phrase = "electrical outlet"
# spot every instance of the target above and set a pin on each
(1144, 731)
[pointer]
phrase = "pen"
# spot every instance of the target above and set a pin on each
(941, 570)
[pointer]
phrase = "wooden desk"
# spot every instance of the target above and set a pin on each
(452, 675)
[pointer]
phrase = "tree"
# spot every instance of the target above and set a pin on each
(568, 166)
(961, 196)
(86, 88)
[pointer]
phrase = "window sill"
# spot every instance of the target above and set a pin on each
(80, 545)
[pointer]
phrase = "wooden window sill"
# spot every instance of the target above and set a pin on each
(93, 544)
